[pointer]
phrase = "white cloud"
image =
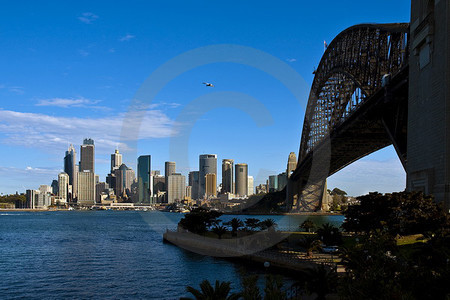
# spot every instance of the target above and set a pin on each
(53, 133)
(127, 37)
(291, 60)
(88, 17)
(66, 103)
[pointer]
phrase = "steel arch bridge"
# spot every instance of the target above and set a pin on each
(357, 105)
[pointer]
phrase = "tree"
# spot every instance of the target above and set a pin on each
(338, 192)
(250, 288)
(219, 230)
(308, 225)
(310, 244)
(235, 224)
(402, 213)
(199, 220)
(251, 223)
(321, 280)
(274, 288)
(221, 291)
(329, 234)
(269, 224)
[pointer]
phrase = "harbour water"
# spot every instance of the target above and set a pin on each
(108, 254)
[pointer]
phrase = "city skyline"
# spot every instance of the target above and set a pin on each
(88, 77)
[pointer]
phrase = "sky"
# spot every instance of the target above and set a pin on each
(129, 75)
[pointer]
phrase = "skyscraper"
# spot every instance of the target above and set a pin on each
(87, 156)
(124, 178)
(241, 179)
(86, 188)
(63, 187)
(227, 176)
(207, 165)
(273, 183)
(70, 167)
(210, 185)
(116, 160)
(176, 187)
(250, 186)
(282, 181)
(145, 185)
(292, 164)
(194, 182)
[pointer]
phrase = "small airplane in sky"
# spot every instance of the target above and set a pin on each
(208, 84)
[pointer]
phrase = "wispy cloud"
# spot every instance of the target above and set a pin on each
(13, 89)
(126, 37)
(50, 132)
(67, 103)
(291, 60)
(83, 52)
(88, 17)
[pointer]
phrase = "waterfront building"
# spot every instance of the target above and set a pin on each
(169, 169)
(87, 156)
(101, 189)
(31, 199)
(241, 175)
(111, 181)
(85, 188)
(292, 164)
(124, 179)
(211, 186)
(188, 192)
(250, 186)
(54, 186)
(282, 181)
(116, 160)
(145, 184)
(227, 176)
(63, 187)
(156, 172)
(194, 182)
(176, 187)
(273, 183)
(207, 165)
(159, 184)
(70, 166)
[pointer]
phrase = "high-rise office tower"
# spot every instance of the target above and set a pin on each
(54, 187)
(241, 185)
(176, 187)
(86, 188)
(194, 182)
(207, 165)
(292, 164)
(145, 186)
(116, 160)
(227, 176)
(63, 187)
(70, 166)
(124, 179)
(87, 156)
(273, 183)
(282, 181)
(210, 185)
(250, 186)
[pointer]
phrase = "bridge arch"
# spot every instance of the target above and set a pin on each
(358, 67)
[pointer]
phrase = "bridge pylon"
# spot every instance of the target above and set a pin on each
(428, 141)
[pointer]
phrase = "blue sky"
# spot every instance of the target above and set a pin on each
(71, 69)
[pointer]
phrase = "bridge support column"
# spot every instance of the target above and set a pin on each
(307, 198)
(428, 165)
